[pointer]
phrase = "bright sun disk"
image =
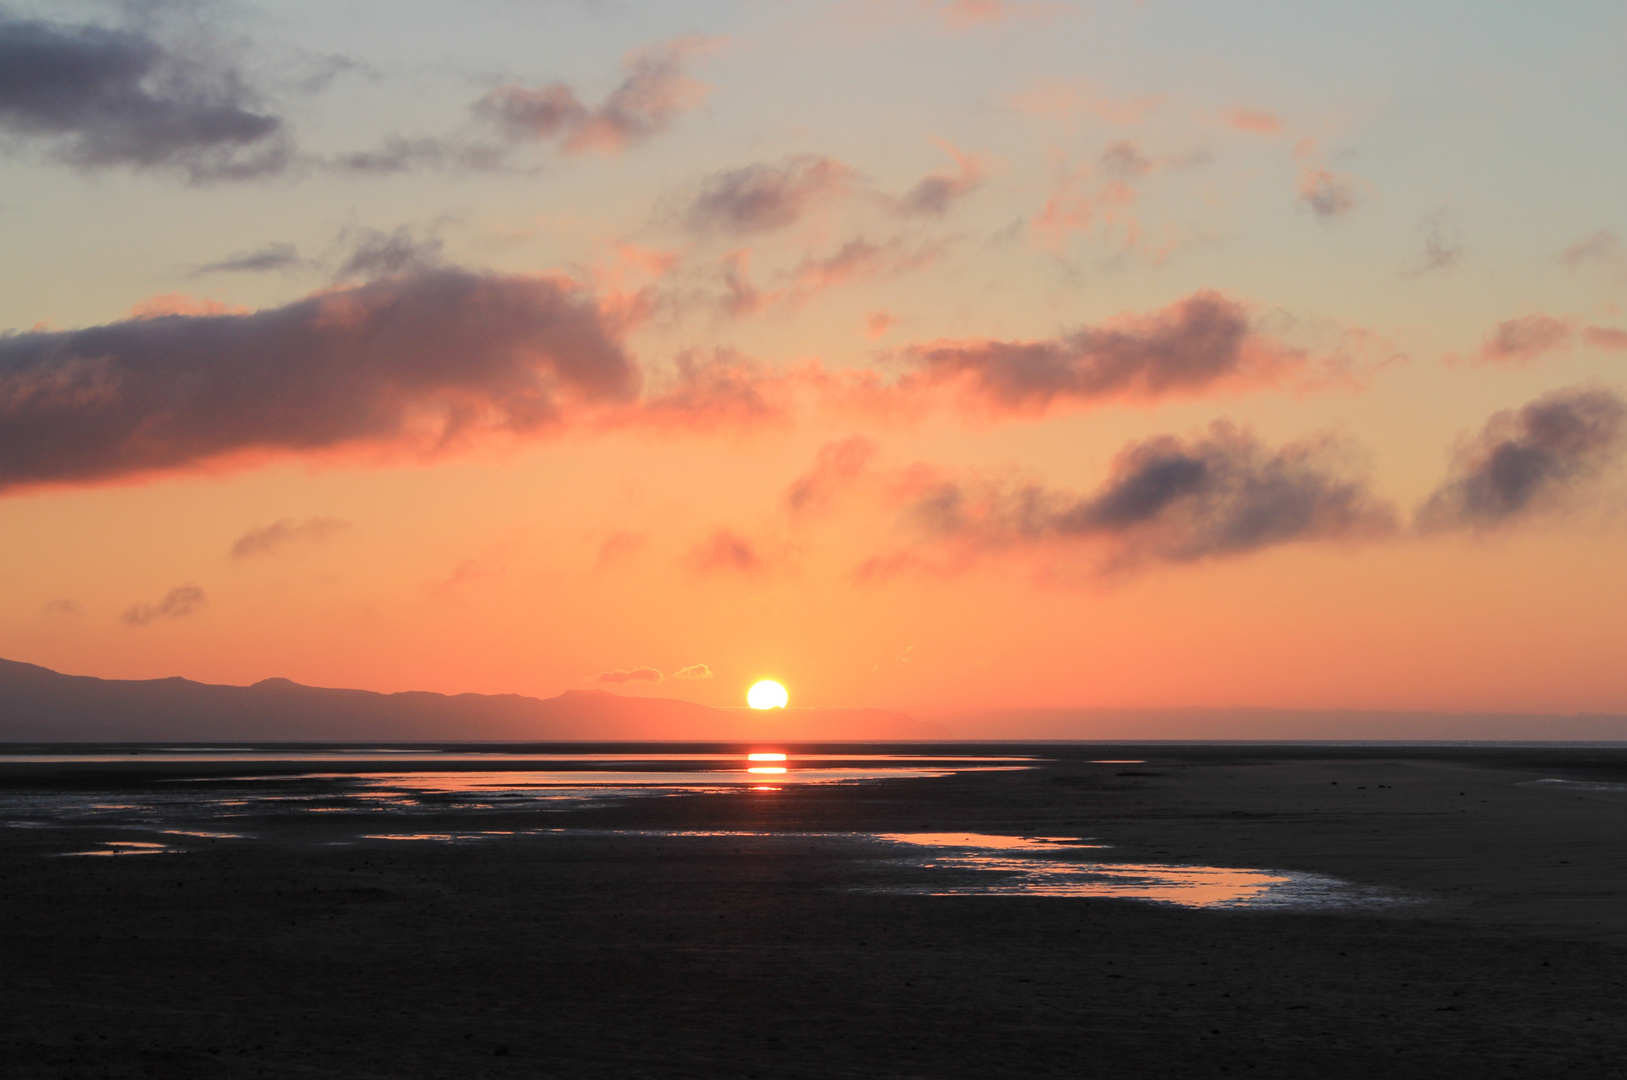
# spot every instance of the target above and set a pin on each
(767, 694)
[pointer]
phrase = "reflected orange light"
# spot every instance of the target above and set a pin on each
(765, 757)
(766, 769)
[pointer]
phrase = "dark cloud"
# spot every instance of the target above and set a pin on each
(1442, 240)
(838, 463)
(621, 677)
(1602, 246)
(102, 97)
(262, 260)
(727, 551)
(1529, 459)
(655, 92)
(278, 534)
(1196, 343)
(177, 603)
(376, 254)
(934, 195)
(398, 154)
(1326, 194)
(1172, 500)
(762, 198)
(1122, 161)
(416, 361)
(1516, 342)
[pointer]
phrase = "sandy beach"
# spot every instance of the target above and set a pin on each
(628, 946)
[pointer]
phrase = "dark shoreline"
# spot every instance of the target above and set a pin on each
(616, 954)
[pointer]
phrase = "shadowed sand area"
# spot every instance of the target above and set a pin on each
(786, 930)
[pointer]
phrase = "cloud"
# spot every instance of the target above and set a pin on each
(1166, 500)
(693, 671)
(1202, 342)
(619, 547)
(1517, 342)
(177, 603)
(398, 154)
(421, 361)
(1603, 246)
(857, 260)
(277, 256)
(1529, 459)
(965, 14)
(620, 677)
(1605, 337)
(655, 92)
(279, 534)
(103, 98)
(934, 195)
(722, 391)
(1326, 194)
(1068, 99)
(725, 551)
(763, 198)
(878, 323)
(836, 464)
(64, 607)
(1443, 242)
(1259, 121)
(375, 254)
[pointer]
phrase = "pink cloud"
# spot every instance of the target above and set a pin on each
(764, 198)
(934, 195)
(837, 464)
(726, 551)
(158, 307)
(1067, 100)
(877, 324)
(1517, 342)
(655, 92)
(1259, 121)
(1604, 337)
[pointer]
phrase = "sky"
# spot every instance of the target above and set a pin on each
(921, 354)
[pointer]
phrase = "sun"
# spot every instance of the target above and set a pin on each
(767, 694)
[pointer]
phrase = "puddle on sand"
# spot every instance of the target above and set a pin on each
(986, 840)
(960, 867)
(126, 847)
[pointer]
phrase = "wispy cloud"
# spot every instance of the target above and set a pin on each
(764, 198)
(1517, 342)
(271, 257)
(1203, 342)
(280, 534)
(934, 195)
(726, 551)
(656, 91)
(1442, 240)
(693, 671)
(1603, 246)
(179, 602)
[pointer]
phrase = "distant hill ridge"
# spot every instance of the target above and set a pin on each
(41, 705)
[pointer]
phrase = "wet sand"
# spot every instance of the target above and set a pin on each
(625, 952)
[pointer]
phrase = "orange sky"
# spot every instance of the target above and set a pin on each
(1045, 357)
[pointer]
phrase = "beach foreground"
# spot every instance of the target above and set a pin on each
(1486, 937)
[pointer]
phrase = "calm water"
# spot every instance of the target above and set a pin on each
(169, 800)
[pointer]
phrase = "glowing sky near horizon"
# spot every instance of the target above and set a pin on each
(930, 354)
